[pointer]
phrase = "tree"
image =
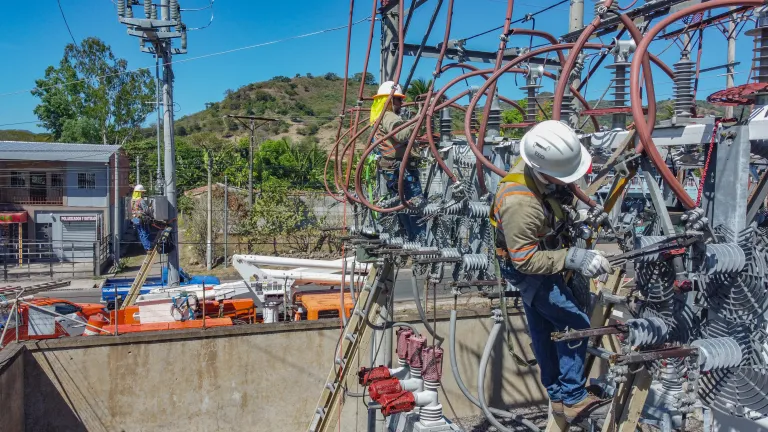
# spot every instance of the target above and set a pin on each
(369, 78)
(92, 94)
(417, 87)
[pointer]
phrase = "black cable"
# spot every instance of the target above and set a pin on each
(411, 11)
(66, 23)
(523, 19)
(423, 43)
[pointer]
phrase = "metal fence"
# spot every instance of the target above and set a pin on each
(52, 258)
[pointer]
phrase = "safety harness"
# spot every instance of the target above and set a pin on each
(524, 184)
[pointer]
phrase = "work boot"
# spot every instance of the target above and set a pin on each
(590, 406)
(557, 408)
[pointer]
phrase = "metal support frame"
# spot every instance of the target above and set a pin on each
(355, 340)
(251, 126)
(476, 56)
(724, 203)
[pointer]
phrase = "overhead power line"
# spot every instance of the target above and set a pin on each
(66, 23)
(328, 30)
(527, 17)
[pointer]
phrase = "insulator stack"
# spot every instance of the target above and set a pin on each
(718, 353)
(453, 208)
(403, 334)
(598, 3)
(494, 120)
(153, 12)
(645, 241)
(760, 61)
(174, 10)
(121, 8)
(183, 30)
(531, 85)
(148, 8)
(431, 209)
(670, 377)
(647, 331)
(128, 9)
(567, 110)
(683, 85)
(724, 258)
(478, 209)
(474, 262)
(446, 125)
(411, 246)
(432, 359)
(450, 253)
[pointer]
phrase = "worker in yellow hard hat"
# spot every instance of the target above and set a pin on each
(392, 151)
(140, 216)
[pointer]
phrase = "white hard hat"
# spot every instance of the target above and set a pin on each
(139, 188)
(553, 148)
(386, 88)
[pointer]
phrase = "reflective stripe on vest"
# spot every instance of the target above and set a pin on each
(389, 147)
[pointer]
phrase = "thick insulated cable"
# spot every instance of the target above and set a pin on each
(644, 129)
(422, 314)
(495, 76)
(423, 114)
(460, 381)
(481, 384)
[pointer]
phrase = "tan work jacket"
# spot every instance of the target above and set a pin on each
(393, 149)
(523, 218)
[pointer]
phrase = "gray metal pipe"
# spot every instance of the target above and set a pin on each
(463, 388)
(414, 285)
(481, 378)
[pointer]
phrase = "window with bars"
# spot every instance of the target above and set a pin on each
(86, 180)
(18, 179)
(57, 180)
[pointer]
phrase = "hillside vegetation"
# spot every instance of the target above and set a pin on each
(305, 106)
(23, 135)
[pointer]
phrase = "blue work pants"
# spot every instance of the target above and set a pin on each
(550, 307)
(143, 229)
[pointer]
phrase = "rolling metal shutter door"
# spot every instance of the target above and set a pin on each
(77, 240)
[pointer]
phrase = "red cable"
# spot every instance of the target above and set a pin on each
(706, 163)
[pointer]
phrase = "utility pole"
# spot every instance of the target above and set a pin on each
(575, 22)
(226, 218)
(116, 213)
(209, 230)
(156, 37)
(731, 60)
(389, 26)
(251, 126)
(138, 170)
(159, 179)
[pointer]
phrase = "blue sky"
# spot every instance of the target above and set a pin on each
(33, 37)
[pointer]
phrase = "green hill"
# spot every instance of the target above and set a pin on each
(304, 106)
(23, 135)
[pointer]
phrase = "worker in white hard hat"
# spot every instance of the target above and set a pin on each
(140, 216)
(392, 151)
(533, 253)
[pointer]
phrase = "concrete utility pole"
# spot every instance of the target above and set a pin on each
(251, 126)
(226, 219)
(159, 179)
(116, 213)
(389, 25)
(155, 37)
(731, 60)
(138, 170)
(209, 227)
(575, 22)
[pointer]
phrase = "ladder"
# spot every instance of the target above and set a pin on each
(141, 276)
(356, 339)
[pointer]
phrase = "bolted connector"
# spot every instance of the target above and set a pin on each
(397, 403)
(384, 387)
(366, 376)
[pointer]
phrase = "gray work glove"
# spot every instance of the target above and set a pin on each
(590, 263)
(694, 219)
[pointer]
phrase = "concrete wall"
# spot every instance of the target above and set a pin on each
(12, 388)
(256, 377)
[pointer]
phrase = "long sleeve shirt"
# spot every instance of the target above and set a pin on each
(524, 222)
(394, 147)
